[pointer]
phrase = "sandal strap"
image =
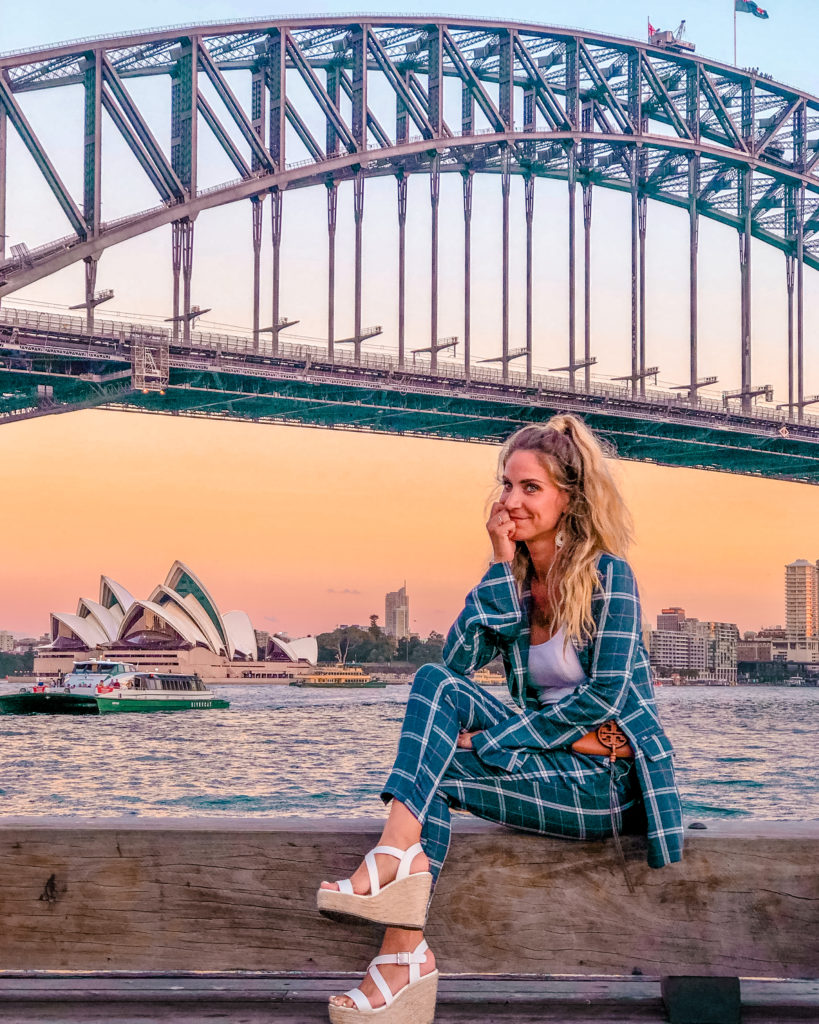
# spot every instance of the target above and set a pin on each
(360, 1000)
(412, 960)
(404, 858)
(383, 987)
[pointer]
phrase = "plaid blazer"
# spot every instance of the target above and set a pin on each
(495, 620)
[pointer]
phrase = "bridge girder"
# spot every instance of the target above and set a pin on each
(731, 118)
(541, 102)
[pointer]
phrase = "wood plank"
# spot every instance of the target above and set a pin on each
(215, 895)
(187, 999)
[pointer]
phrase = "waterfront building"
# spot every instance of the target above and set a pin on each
(801, 599)
(701, 650)
(671, 619)
(754, 649)
(804, 650)
(772, 633)
(396, 617)
(179, 628)
(6, 641)
(673, 651)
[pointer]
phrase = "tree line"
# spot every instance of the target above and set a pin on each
(349, 645)
(12, 664)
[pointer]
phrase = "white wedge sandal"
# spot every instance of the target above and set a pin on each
(401, 903)
(412, 1004)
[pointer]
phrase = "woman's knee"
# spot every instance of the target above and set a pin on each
(430, 678)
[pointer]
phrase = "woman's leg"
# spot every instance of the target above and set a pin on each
(554, 793)
(440, 705)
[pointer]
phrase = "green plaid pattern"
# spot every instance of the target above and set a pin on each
(495, 621)
(552, 793)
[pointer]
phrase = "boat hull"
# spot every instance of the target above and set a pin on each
(48, 704)
(90, 704)
(118, 705)
(338, 686)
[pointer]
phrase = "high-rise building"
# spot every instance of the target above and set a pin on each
(708, 649)
(396, 617)
(6, 640)
(801, 599)
(672, 651)
(671, 619)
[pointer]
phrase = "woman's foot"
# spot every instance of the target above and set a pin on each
(396, 940)
(387, 868)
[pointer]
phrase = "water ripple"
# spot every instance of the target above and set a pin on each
(740, 752)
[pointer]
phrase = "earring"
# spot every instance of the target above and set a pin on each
(560, 539)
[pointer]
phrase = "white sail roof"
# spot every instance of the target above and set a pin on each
(241, 634)
(114, 597)
(189, 606)
(87, 630)
(88, 609)
(169, 614)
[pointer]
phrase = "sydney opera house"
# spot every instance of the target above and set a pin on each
(179, 628)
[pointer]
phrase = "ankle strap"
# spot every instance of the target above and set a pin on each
(404, 857)
(412, 960)
(406, 959)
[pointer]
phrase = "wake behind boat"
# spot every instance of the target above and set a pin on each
(100, 687)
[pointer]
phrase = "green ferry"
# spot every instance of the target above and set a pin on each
(102, 687)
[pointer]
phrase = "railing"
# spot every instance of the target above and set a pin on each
(57, 326)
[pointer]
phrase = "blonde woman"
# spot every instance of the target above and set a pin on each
(585, 755)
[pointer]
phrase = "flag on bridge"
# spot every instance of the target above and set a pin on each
(749, 7)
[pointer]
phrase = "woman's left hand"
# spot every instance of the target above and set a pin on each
(465, 738)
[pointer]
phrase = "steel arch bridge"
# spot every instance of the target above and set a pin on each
(535, 101)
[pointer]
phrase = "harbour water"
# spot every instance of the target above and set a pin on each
(280, 751)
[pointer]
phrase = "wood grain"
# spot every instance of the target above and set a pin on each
(289, 999)
(212, 895)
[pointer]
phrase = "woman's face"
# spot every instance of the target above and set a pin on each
(532, 501)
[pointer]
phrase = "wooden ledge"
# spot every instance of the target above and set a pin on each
(257, 998)
(221, 894)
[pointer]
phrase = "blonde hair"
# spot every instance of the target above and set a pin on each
(596, 517)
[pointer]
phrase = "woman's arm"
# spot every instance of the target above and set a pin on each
(600, 698)
(491, 612)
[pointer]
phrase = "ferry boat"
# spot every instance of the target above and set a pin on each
(485, 677)
(331, 678)
(99, 687)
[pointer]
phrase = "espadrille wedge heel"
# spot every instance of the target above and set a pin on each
(401, 903)
(412, 1004)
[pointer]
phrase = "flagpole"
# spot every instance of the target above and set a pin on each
(735, 34)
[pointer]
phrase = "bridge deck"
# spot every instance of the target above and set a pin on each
(48, 364)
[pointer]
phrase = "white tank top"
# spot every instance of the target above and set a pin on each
(554, 672)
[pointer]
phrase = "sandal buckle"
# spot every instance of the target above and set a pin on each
(403, 959)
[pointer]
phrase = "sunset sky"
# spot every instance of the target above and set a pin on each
(305, 529)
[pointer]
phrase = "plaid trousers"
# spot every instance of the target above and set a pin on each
(553, 792)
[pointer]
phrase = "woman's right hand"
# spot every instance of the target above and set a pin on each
(501, 529)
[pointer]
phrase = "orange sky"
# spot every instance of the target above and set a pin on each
(305, 529)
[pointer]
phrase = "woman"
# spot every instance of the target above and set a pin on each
(560, 605)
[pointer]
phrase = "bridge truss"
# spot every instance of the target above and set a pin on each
(538, 102)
